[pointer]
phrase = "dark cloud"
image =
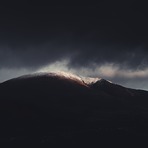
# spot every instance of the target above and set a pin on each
(81, 55)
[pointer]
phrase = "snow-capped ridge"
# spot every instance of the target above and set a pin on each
(85, 80)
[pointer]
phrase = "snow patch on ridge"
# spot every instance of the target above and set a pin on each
(66, 75)
(89, 80)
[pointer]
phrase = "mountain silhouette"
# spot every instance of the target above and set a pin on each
(54, 108)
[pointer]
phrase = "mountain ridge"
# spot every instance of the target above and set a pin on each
(85, 80)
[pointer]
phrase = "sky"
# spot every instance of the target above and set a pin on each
(97, 40)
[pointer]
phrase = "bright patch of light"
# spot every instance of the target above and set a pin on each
(55, 67)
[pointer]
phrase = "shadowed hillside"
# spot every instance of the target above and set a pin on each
(53, 108)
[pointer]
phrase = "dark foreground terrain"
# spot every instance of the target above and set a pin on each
(56, 110)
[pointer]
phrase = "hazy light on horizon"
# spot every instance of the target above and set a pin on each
(110, 71)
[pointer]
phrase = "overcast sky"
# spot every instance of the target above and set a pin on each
(97, 40)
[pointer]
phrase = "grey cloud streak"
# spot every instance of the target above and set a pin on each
(80, 54)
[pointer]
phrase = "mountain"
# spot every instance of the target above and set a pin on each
(59, 108)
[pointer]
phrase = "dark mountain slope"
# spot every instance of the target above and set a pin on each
(51, 107)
